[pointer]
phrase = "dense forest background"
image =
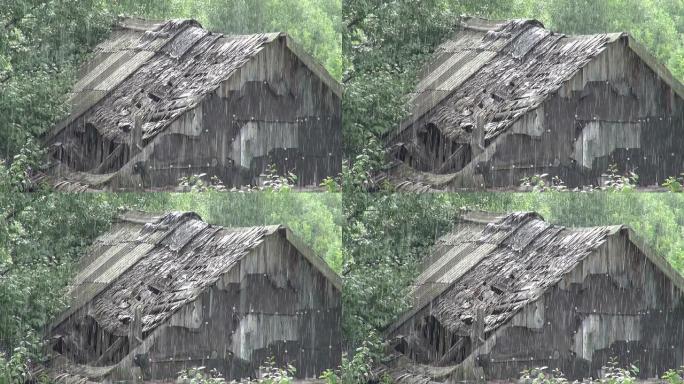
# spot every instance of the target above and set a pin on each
(384, 45)
(386, 42)
(374, 241)
(42, 43)
(43, 234)
(387, 235)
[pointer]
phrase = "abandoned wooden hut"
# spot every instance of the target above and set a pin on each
(163, 100)
(504, 100)
(156, 295)
(500, 294)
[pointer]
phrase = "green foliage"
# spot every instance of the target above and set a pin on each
(40, 44)
(17, 368)
(357, 176)
(617, 182)
(541, 376)
(356, 370)
(275, 182)
(16, 176)
(199, 376)
(315, 24)
(674, 376)
(330, 185)
(673, 184)
(539, 183)
(268, 374)
(614, 181)
(197, 183)
(271, 374)
(612, 374)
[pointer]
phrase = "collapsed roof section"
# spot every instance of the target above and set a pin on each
(151, 279)
(501, 292)
(163, 101)
(494, 77)
(158, 71)
(500, 263)
(159, 263)
(500, 70)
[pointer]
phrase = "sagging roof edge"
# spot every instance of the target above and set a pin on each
(124, 368)
(658, 260)
(308, 60)
(480, 24)
(656, 66)
(313, 65)
(616, 230)
(309, 254)
(142, 218)
(639, 50)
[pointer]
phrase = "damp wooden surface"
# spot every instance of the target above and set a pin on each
(499, 104)
(175, 100)
(157, 295)
(551, 296)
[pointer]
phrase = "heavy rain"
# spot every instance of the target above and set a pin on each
(341, 191)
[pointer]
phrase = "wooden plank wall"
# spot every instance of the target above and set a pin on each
(273, 305)
(273, 110)
(615, 304)
(616, 110)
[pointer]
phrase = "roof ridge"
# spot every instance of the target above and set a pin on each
(481, 216)
(481, 24)
(142, 24)
(499, 39)
(489, 231)
(144, 217)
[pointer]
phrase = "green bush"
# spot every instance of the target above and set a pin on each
(541, 376)
(674, 376)
(269, 374)
(199, 376)
(673, 184)
(356, 370)
(612, 374)
(17, 368)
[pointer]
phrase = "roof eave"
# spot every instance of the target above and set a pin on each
(313, 65)
(660, 70)
(660, 261)
(309, 254)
